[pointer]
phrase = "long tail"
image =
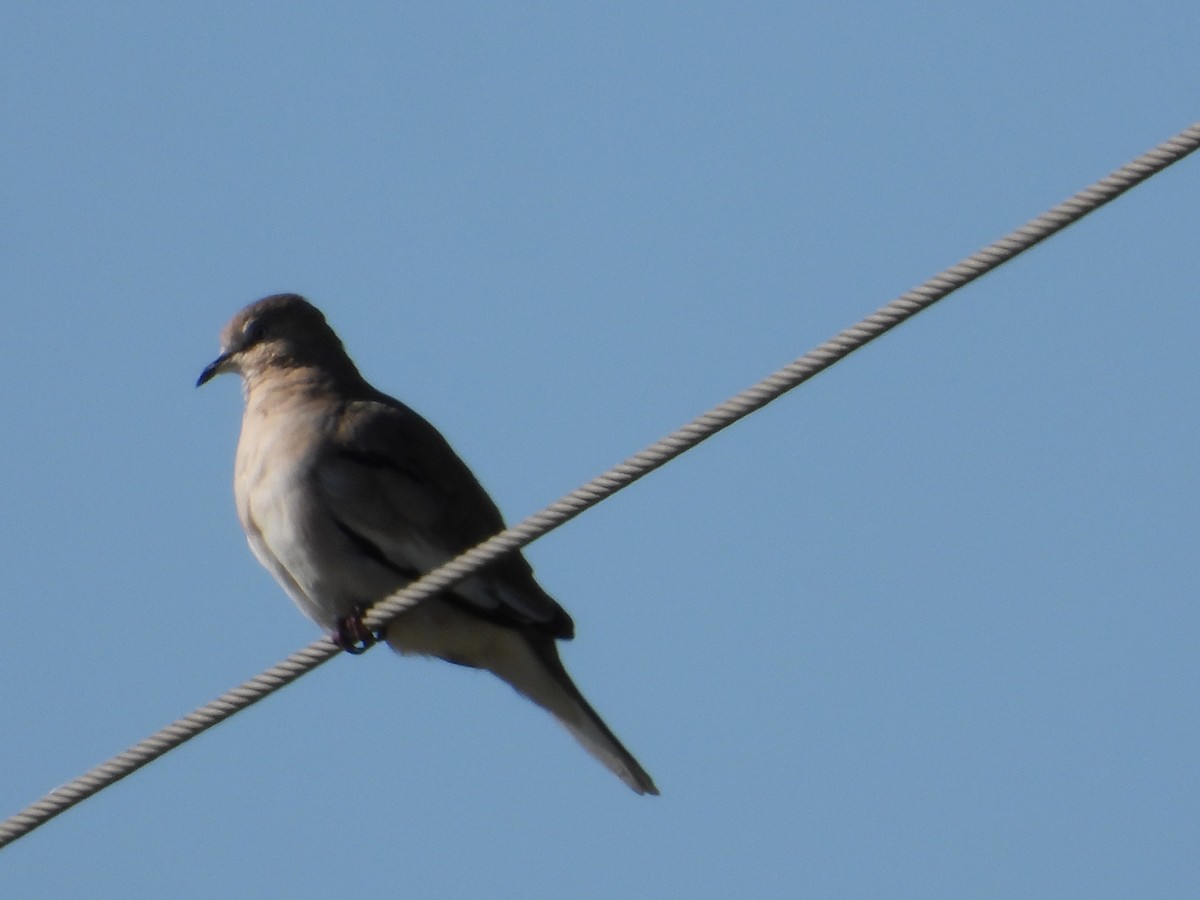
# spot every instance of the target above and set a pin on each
(539, 675)
(526, 660)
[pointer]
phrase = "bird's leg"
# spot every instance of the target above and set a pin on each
(352, 635)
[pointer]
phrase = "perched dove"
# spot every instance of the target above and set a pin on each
(346, 495)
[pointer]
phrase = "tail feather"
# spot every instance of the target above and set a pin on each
(541, 676)
(529, 662)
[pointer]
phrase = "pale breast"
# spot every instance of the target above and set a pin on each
(287, 528)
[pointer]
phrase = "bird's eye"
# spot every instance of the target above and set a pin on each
(254, 331)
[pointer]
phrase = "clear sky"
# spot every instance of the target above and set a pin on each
(927, 627)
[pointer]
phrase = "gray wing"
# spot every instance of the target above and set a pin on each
(401, 493)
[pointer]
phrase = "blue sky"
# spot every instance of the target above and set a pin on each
(925, 627)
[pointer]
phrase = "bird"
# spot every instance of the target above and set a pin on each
(347, 495)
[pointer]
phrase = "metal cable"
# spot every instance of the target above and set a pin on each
(705, 426)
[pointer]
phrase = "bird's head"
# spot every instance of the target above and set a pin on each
(280, 331)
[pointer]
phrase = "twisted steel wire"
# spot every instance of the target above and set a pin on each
(605, 485)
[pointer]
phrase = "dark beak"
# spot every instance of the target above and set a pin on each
(213, 369)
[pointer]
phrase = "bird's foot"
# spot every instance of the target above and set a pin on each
(353, 636)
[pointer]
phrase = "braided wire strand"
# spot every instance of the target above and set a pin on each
(608, 483)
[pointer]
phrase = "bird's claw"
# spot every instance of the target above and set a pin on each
(353, 636)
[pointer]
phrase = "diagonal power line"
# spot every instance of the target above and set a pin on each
(603, 486)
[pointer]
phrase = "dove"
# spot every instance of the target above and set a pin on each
(347, 495)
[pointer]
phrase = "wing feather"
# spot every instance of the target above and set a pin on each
(392, 480)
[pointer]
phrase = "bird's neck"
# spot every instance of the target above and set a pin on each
(284, 387)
